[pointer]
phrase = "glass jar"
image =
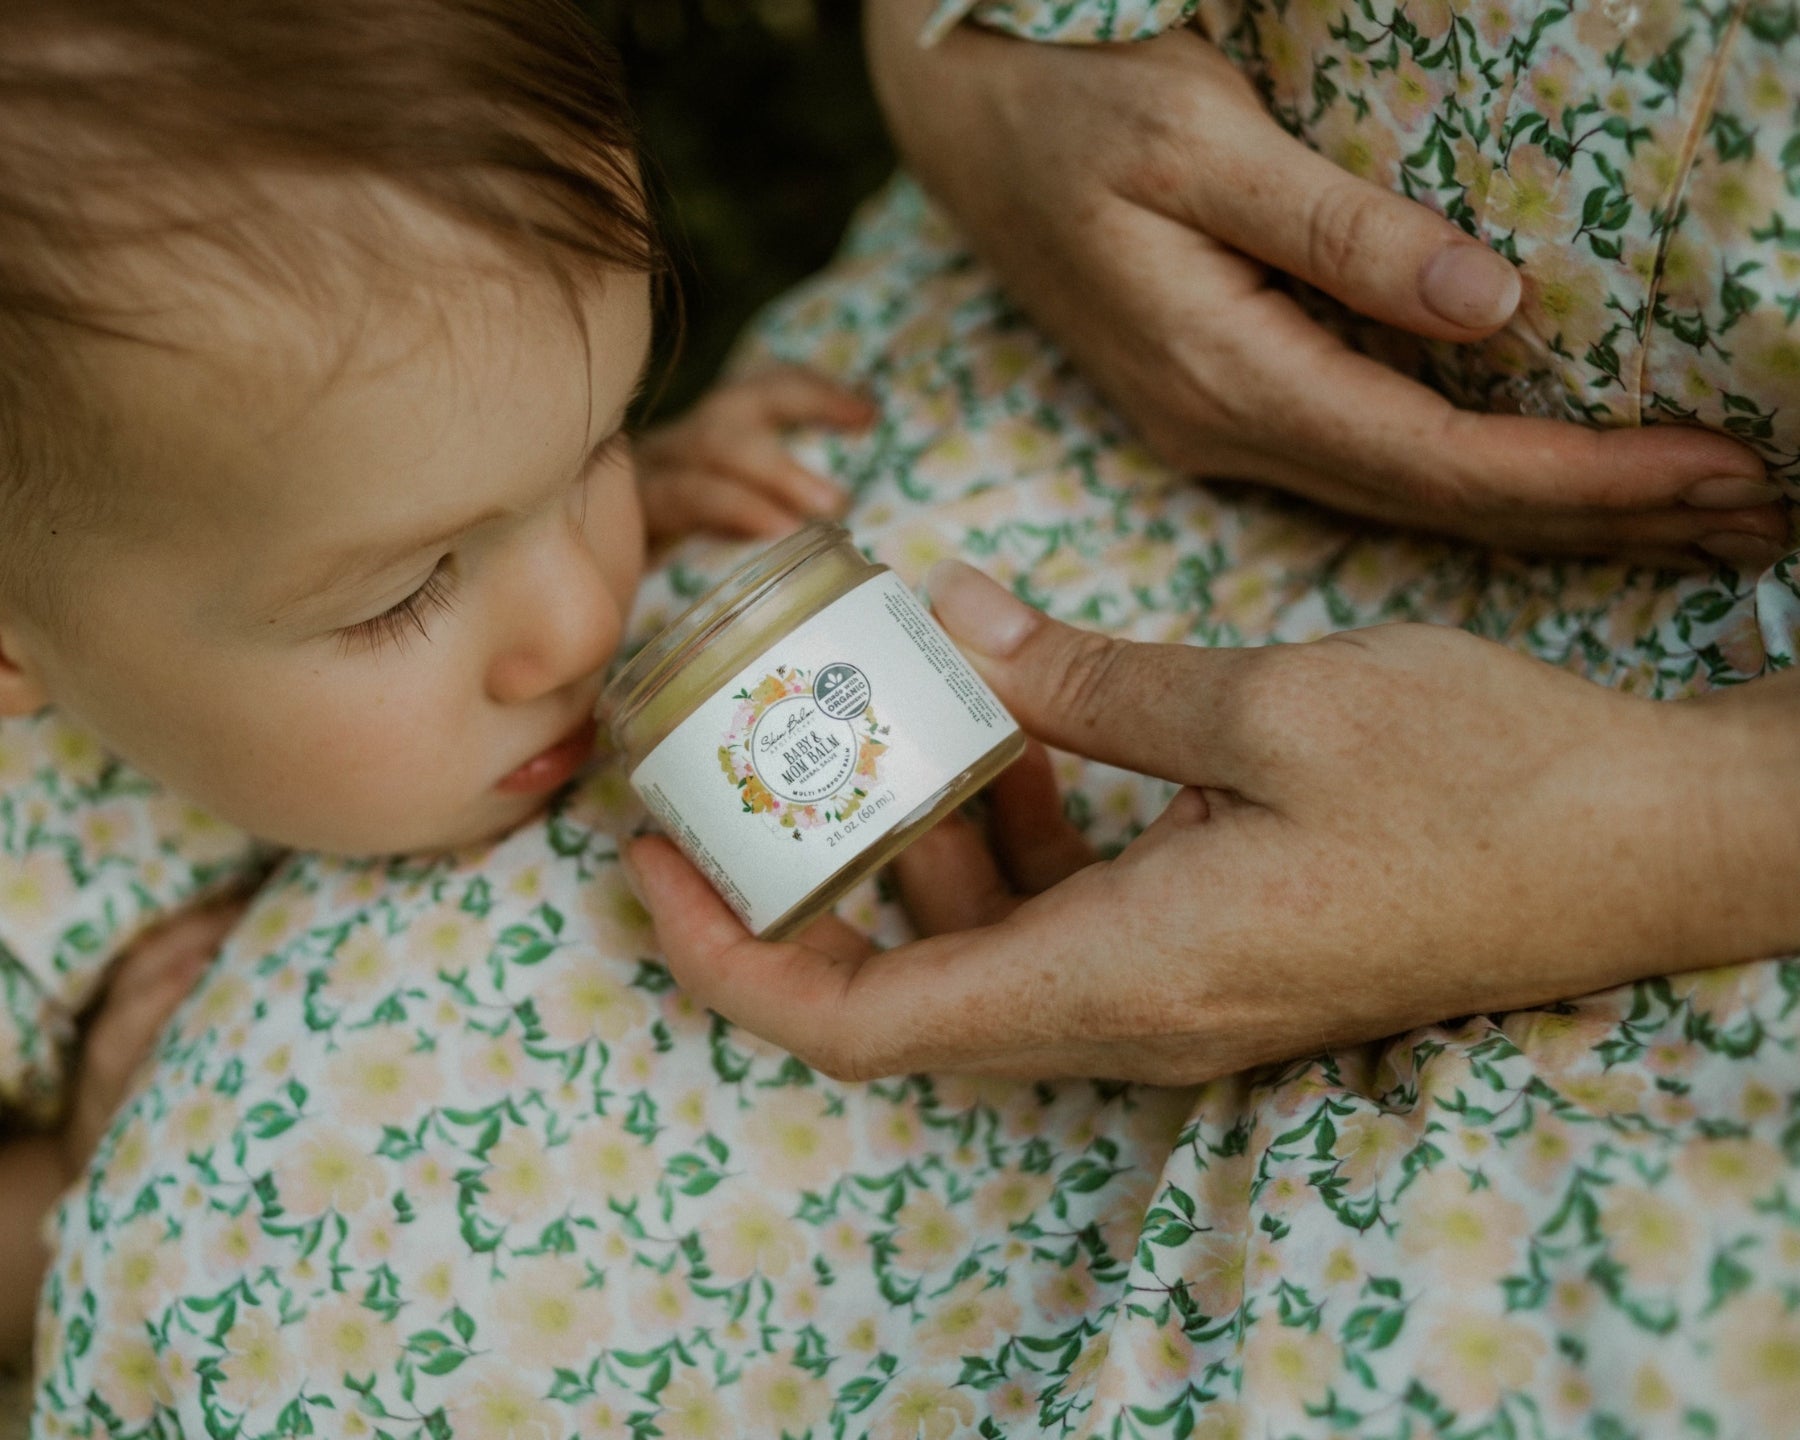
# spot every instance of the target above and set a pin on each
(801, 724)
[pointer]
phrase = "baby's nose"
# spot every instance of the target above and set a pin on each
(566, 627)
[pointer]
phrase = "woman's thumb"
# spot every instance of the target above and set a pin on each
(1149, 708)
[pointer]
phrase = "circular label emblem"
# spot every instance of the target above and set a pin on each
(842, 691)
(800, 753)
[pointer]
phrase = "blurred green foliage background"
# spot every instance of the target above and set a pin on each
(762, 137)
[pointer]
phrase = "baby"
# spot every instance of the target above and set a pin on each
(319, 331)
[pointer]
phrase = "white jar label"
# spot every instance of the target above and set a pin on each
(826, 742)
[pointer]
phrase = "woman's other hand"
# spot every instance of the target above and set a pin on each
(1130, 198)
(1377, 830)
(725, 466)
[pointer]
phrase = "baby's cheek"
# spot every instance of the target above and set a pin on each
(347, 767)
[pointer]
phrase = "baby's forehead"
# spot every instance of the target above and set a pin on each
(374, 294)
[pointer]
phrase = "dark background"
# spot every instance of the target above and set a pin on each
(762, 137)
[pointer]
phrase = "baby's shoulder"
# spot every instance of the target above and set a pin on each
(91, 854)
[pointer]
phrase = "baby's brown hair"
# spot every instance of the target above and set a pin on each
(126, 122)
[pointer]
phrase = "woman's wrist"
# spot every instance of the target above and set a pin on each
(1742, 745)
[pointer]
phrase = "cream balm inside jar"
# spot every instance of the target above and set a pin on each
(801, 724)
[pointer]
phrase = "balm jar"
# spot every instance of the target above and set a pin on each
(801, 724)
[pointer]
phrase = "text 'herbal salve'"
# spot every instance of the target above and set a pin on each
(802, 724)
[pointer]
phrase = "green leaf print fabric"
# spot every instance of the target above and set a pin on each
(438, 1150)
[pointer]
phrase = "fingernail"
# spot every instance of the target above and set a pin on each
(1470, 285)
(986, 617)
(1745, 551)
(1730, 492)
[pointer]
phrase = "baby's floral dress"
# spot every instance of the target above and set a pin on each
(437, 1149)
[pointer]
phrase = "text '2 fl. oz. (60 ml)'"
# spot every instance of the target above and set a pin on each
(802, 724)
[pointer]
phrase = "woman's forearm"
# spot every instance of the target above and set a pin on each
(33, 1176)
(931, 97)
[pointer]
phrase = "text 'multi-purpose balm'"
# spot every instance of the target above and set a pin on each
(801, 724)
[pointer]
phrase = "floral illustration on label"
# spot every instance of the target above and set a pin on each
(804, 750)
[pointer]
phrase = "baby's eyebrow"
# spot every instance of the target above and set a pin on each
(359, 562)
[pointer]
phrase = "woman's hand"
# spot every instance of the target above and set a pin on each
(724, 465)
(1130, 197)
(1379, 830)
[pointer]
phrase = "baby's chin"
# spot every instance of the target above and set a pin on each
(481, 828)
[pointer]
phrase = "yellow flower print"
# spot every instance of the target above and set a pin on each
(1766, 347)
(607, 1161)
(1529, 195)
(261, 1368)
(1730, 1170)
(1368, 150)
(658, 1303)
(1615, 1092)
(897, 1131)
(920, 1408)
(1412, 91)
(1471, 1358)
(1011, 1198)
(501, 1405)
(586, 997)
(326, 1170)
(1447, 1224)
(1066, 1293)
(1730, 198)
(783, 1400)
(693, 1409)
(1289, 1369)
(131, 1379)
(1551, 82)
(144, 1271)
(970, 1318)
(379, 1077)
(1565, 297)
(796, 1143)
(747, 1235)
(524, 1180)
(546, 1310)
(1759, 1347)
(1214, 1267)
(928, 1237)
(1651, 1235)
(1165, 1356)
(342, 1337)
(365, 966)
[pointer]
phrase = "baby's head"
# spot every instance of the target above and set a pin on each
(318, 325)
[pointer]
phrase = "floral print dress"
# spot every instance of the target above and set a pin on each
(437, 1150)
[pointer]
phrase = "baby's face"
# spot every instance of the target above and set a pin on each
(361, 600)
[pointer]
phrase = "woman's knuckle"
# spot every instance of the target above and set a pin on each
(1084, 678)
(1344, 231)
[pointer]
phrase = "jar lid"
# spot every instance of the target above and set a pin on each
(673, 645)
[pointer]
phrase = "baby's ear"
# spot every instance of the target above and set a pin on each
(22, 692)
